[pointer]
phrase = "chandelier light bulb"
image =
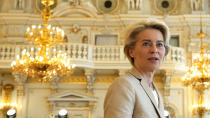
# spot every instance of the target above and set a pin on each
(18, 57)
(13, 63)
(33, 26)
(28, 29)
(48, 27)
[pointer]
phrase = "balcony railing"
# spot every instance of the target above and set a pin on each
(91, 56)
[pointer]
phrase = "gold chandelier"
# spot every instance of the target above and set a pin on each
(198, 76)
(43, 62)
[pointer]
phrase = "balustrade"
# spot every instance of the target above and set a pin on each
(176, 55)
(108, 53)
(90, 53)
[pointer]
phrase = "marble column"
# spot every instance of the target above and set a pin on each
(1, 94)
(1, 88)
(20, 79)
(167, 85)
(89, 73)
(54, 85)
(92, 107)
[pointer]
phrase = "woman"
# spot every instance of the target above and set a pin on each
(135, 95)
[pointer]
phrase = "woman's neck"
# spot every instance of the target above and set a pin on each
(148, 76)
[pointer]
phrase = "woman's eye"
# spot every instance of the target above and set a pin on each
(160, 44)
(146, 44)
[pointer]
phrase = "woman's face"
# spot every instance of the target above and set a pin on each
(149, 50)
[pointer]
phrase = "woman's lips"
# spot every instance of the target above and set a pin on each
(153, 59)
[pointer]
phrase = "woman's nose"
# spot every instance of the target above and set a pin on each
(153, 49)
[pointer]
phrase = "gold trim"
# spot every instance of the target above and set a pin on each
(105, 79)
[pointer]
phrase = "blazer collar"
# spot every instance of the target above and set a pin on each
(135, 73)
(147, 90)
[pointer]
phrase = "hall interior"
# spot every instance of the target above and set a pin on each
(93, 41)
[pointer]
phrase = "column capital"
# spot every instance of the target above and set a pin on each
(19, 78)
(167, 84)
(55, 80)
(54, 85)
(89, 72)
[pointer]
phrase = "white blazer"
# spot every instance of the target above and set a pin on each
(130, 97)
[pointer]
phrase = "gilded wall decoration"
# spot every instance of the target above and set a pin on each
(105, 79)
(73, 80)
(64, 80)
(77, 34)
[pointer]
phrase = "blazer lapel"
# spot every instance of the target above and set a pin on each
(150, 95)
(146, 88)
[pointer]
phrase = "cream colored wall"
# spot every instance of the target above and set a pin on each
(100, 92)
(178, 99)
(36, 105)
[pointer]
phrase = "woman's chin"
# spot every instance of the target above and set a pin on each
(153, 68)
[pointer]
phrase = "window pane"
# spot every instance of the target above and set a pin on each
(174, 41)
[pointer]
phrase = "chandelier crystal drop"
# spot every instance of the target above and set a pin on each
(43, 62)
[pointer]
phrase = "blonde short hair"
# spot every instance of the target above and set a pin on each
(134, 29)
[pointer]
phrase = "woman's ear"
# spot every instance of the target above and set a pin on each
(131, 52)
